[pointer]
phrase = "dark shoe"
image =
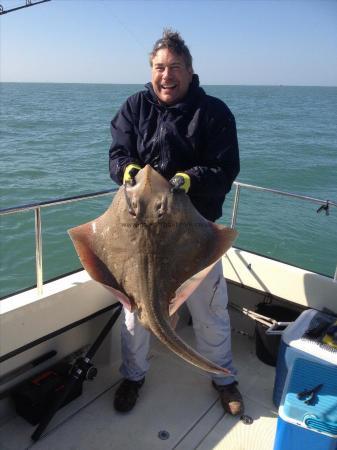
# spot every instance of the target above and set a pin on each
(230, 397)
(127, 394)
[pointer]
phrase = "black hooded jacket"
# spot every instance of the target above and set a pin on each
(196, 136)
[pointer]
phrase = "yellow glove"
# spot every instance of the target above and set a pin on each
(130, 172)
(180, 182)
(331, 336)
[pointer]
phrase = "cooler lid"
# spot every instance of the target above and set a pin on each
(301, 335)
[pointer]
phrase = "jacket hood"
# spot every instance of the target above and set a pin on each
(193, 92)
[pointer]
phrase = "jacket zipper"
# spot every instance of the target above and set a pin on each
(163, 155)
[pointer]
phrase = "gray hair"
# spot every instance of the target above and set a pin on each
(173, 41)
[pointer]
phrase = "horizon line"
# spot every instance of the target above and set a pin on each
(143, 84)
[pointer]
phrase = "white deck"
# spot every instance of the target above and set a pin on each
(176, 398)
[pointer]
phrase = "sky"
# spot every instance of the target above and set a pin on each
(233, 42)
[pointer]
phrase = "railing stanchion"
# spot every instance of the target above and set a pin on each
(235, 205)
(38, 251)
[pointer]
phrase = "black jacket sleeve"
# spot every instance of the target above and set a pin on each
(123, 150)
(219, 155)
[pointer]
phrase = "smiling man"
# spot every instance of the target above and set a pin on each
(171, 76)
(189, 138)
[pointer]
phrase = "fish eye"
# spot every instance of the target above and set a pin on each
(160, 207)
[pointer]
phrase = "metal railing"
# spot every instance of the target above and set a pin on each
(36, 207)
(324, 204)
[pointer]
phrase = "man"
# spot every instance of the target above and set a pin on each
(189, 138)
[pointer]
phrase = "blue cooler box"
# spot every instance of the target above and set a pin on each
(311, 425)
(296, 344)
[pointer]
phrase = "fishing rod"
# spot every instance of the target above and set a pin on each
(28, 3)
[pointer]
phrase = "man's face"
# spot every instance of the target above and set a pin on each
(170, 76)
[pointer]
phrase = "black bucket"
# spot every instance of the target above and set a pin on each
(266, 345)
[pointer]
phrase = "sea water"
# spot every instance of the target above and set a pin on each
(55, 140)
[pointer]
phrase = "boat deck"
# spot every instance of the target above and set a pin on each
(176, 398)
